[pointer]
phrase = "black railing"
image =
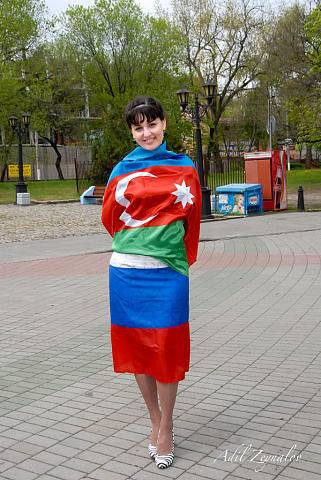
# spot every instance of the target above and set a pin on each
(82, 171)
(225, 170)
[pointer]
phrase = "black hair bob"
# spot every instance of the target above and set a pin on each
(141, 108)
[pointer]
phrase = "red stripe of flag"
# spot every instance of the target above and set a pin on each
(152, 196)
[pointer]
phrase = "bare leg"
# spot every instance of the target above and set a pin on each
(148, 388)
(167, 396)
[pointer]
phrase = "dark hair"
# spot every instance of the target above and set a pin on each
(142, 107)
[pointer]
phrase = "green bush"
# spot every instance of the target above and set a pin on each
(296, 166)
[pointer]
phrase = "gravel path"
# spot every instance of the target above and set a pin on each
(35, 222)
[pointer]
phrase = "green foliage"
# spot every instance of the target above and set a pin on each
(305, 113)
(11, 92)
(126, 49)
(55, 92)
(19, 27)
(313, 36)
(305, 101)
(291, 68)
(20, 24)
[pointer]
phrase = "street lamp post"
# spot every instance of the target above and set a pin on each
(18, 127)
(196, 114)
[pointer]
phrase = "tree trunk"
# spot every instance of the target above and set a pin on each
(58, 161)
(3, 172)
(5, 154)
(308, 156)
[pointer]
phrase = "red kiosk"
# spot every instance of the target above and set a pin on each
(269, 169)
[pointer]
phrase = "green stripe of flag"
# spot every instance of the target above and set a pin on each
(166, 243)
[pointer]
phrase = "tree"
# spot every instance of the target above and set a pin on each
(55, 95)
(122, 53)
(20, 26)
(292, 66)
(222, 43)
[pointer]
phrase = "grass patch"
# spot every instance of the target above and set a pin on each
(309, 179)
(41, 190)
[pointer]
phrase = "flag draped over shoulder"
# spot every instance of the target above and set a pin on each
(152, 206)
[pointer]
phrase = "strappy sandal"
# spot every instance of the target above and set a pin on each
(165, 461)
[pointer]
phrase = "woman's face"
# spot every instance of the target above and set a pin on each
(149, 135)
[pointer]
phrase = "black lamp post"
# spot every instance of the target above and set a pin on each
(18, 126)
(196, 114)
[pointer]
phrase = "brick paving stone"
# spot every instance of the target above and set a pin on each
(6, 442)
(29, 427)
(27, 448)
(47, 477)
(41, 440)
(119, 467)
(251, 474)
(81, 465)
(76, 443)
(101, 474)
(35, 466)
(13, 456)
(148, 475)
(94, 457)
(64, 450)
(66, 473)
(108, 450)
(5, 465)
(50, 458)
(173, 472)
(19, 474)
(208, 472)
(295, 474)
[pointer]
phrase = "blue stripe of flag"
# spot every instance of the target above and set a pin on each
(148, 298)
(127, 167)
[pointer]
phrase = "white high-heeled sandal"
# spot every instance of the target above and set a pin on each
(165, 461)
(152, 450)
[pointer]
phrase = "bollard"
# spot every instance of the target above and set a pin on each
(300, 199)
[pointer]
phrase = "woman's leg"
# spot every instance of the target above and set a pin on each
(167, 396)
(148, 388)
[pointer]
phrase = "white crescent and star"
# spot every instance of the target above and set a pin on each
(182, 193)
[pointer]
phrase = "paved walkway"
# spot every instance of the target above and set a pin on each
(250, 405)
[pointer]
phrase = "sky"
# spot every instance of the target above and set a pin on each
(58, 6)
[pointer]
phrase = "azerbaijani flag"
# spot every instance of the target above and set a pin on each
(152, 207)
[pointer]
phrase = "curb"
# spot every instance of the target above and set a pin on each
(52, 202)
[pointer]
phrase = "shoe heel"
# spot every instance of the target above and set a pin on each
(165, 461)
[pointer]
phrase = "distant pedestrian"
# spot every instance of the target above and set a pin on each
(151, 208)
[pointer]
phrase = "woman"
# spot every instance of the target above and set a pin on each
(151, 208)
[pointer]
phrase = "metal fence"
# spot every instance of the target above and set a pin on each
(42, 159)
(225, 170)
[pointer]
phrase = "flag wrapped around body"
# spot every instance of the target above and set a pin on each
(151, 208)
